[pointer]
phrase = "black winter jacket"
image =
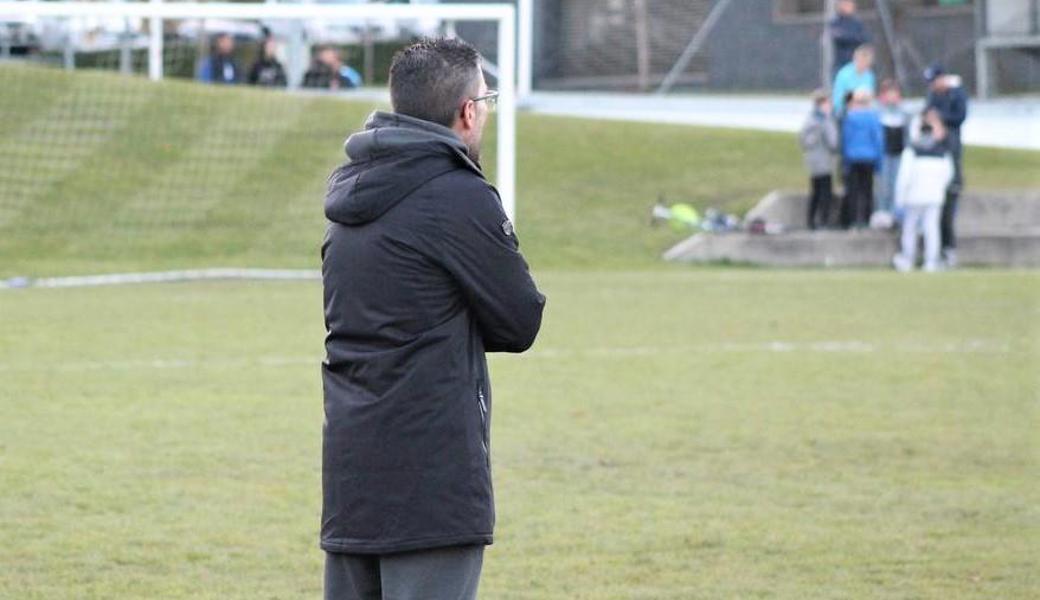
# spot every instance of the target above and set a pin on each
(848, 33)
(952, 105)
(267, 72)
(422, 276)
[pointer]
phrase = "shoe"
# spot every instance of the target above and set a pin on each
(902, 263)
(950, 258)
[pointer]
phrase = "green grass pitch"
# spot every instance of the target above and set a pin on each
(676, 432)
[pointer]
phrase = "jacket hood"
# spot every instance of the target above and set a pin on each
(389, 159)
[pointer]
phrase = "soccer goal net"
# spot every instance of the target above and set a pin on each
(133, 131)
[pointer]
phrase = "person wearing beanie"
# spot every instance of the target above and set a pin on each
(947, 97)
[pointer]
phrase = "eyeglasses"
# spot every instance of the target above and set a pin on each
(491, 97)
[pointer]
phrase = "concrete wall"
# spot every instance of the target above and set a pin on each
(949, 39)
(753, 48)
(593, 44)
(1016, 70)
(750, 51)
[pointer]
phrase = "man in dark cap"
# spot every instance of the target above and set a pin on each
(947, 96)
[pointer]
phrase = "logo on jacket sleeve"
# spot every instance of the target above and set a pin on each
(507, 227)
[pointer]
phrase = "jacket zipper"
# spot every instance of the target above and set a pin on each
(483, 422)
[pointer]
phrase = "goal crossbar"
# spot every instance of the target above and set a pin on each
(504, 15)
(234, 10)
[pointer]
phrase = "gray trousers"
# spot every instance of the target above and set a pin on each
(438, 574)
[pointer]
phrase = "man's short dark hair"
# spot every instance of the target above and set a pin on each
(430, 79)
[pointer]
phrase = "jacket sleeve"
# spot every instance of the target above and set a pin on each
(838, 94)
(476, 244)
(830, 134)
(879, 144)
(805, 134)
(957, 109)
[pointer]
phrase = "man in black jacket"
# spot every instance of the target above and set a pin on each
(947, 96)
(422, 275)
(847, 33)
(267, 71)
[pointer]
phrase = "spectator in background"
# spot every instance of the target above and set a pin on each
(863, 146)
(219, 66)
(925, 174)
(267, 71)
(856, 75)
(947, 96)
(819, 140)
(327, 71)
(847, 34)
(895, 121)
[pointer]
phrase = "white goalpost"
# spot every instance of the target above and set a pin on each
(157, 12)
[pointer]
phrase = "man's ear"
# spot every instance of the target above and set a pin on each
(468, 115)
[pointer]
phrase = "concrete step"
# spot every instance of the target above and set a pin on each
(976, 212)
(993, 229)
(866, 248)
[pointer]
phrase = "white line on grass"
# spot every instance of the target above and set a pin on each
(783, 347)
(976, 346)
(164, 363)
(217, 274)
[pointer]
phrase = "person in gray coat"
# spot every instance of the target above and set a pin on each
(819, 140)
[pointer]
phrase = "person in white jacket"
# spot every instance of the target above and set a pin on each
(925, 172)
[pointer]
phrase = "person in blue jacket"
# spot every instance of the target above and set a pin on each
(219, 67)
(863, 147)
(856, 75)
(327, 71)
(947, 96)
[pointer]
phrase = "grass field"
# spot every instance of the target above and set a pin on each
(685, 434)
(182, 175)
(675, 433)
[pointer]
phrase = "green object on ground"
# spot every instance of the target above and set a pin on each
(684, 217)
